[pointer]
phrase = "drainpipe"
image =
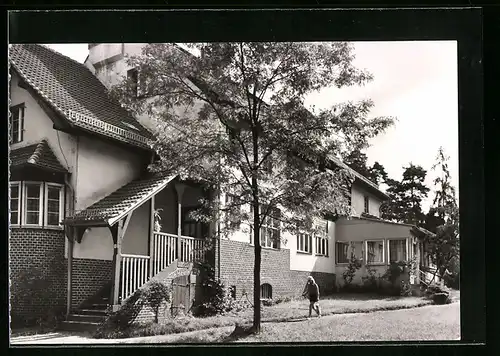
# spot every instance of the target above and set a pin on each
(70, 247)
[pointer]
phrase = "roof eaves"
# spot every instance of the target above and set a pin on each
(113, 220)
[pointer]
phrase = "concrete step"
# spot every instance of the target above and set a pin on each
(78, 326)
(92, 318)
(96, 312)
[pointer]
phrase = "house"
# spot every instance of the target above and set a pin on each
(83, 204)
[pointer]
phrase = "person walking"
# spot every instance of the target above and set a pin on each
(311, 291)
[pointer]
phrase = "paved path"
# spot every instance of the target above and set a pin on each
(425, 323)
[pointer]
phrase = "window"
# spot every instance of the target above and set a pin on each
(53, 204)
(190, 226)
(15, 190)
(16, 122)
(36, 204)
(270, 229)
(266, 291)
(341, 252)
(398, 250)
(375, 252)
(233, 212)
(304, 243)
(133, 77)
(33, 203)
(322, 246)
(367, 204)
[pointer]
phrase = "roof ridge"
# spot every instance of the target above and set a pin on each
(37, 152)
(62, 55)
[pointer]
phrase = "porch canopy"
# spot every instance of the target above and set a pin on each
(118, 205)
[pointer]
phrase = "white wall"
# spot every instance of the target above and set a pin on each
(97, 243)
(103, 168)
(310, 262)
(358, 201)
(136, 239)
(38, 126)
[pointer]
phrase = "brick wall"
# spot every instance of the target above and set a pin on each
(36, 252)
(88, 277)
(236, 269)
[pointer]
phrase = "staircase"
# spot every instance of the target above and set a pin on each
(167, 264)
(90, 314)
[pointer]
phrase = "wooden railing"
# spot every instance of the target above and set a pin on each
(191, 249)
(135, 273)
(135, 269)
(164, 251)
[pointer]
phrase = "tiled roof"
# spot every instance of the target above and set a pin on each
(71, 89)
(111, 208)
(368, 183)
(39, 155)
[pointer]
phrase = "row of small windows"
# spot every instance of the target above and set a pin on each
(372, 251)
(36, 204)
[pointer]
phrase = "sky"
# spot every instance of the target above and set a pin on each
(414, 81)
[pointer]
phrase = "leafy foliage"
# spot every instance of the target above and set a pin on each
(155, 294)
(233, 115)
(357, 160)
(443, 220)
(217, 297)
(406, 197)
(351, 269)
(33, 284)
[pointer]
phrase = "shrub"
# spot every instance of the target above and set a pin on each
(351, 269)
(370, 281)
(155, 294)
(438, 294)
(217, 298)
(397, 284)
(117, 322)
(33, 285)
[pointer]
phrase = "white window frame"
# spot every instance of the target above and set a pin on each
(46, 203)
(25, 204)
(301, 240)
(383, 252)
(318, 244)
(22, 113)
(19, 202)
(265, 226)
(389, 250)
(366, 204)
(348, 250)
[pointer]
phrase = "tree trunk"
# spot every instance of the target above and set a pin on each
(256, 276)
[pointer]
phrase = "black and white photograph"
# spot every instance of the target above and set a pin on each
(233, 192)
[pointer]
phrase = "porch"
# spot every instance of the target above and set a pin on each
(143, 229)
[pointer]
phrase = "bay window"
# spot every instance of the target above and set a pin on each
(375, 252)
(15, 193)
(37, 204)
(398, 250)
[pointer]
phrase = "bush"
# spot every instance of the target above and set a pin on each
(438, 294)
(155, 294)
(351, 269)
(217, 298)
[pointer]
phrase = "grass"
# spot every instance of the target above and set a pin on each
(289, 311)
(428, 323)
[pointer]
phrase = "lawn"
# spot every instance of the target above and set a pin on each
(428, 323)
(289, 311)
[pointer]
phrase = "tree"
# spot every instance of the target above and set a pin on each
(443, 219)
(357, 160)
(232, 115)
(378, 175)
(405, 197)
